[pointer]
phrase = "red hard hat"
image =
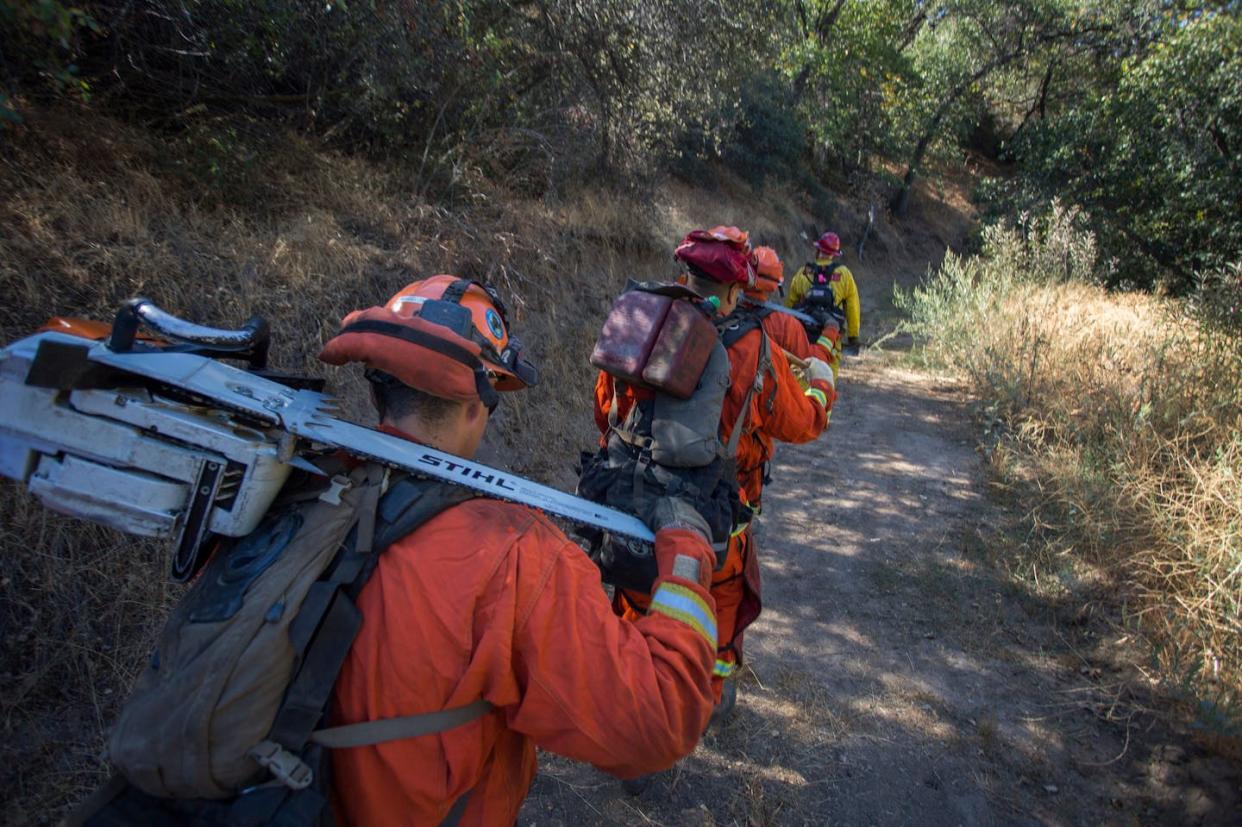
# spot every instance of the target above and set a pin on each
(769, 271)
(829, 244)
(721, 254)
(445, 336)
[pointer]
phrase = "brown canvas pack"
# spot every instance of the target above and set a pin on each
(656, 337)
(225, 657)
(681, 351)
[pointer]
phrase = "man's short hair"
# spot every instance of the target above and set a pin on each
(394, 400)
(707, 287)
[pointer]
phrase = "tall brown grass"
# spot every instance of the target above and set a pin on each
(1118, 418)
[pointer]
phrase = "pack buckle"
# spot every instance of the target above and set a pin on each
(284, 765)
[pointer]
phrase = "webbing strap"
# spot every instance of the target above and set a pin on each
(321, 662)
(328, 621)
(613, 418)
(457, 811)
(767, 366)
(455, 291)
(828, 269)
(642, 443)
(367, 733)
(625, 431)
(762, 365)
(487, 394)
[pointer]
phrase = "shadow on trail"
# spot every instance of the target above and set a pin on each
(894, 677)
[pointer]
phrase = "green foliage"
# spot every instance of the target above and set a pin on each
(1129, 111)
(1218, 301)
(851, 67)
(769, 138)
(946, 310)
(39, 39)
(759, 136)
(1150, 151)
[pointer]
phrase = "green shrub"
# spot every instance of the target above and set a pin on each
(39, 40)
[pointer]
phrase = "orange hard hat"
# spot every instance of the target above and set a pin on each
(769, 271)
(739, 238)
(444, 335)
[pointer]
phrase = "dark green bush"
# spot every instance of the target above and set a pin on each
(770, 138)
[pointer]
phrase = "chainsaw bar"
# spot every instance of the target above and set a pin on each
(309, 415)
(789, 311)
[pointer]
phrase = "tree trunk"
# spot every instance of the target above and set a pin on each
(1040, 106)
(900, 201)
(821, 29)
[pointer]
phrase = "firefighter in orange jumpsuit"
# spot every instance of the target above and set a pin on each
(781, 408)
(489, 600)
(785, 330)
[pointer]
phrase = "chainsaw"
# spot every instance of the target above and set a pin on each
(805, 318)
(159, 437)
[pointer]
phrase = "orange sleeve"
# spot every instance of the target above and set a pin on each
(629, 697)
(603, 400)
(785, 412)
(787, 332)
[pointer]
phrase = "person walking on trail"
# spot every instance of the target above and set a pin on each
(489, 600)
(823, 343)
(718, 269)
(790, 334)
(827, 285)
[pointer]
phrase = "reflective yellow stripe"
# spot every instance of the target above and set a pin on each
(742, 528)
(681, 603)
(825, 343)
(724, 669)
(819, 396)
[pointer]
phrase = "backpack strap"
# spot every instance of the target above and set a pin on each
(737, 324)
(762, 366)
(367, 733)
(329, 620)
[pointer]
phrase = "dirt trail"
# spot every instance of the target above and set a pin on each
(895, 677)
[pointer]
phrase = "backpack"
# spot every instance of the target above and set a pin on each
(820, 301)
(223, 725)
(667, 445)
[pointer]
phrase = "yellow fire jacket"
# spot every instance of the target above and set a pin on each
(844, 291)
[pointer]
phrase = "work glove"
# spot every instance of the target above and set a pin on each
(682, 545)
(820, 371)
(674, 512)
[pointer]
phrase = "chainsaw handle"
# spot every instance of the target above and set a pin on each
(250, 341)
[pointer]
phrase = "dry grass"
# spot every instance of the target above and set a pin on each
(1117, 420)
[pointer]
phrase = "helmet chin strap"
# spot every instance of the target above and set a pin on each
(487, 393)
